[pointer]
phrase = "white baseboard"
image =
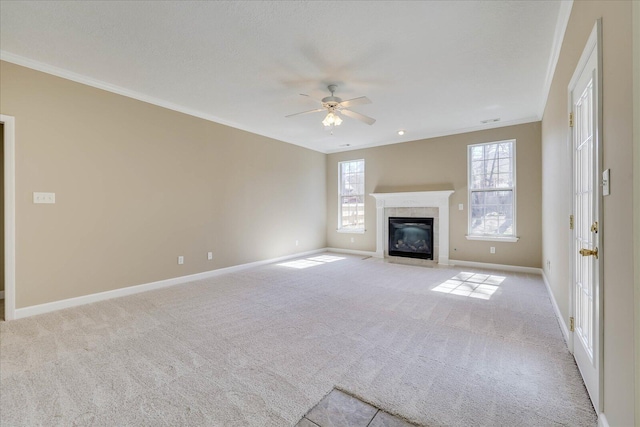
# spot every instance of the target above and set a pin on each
(556, 309)
(602, 420)
(351, 252)
(130, 290)
(504, 267)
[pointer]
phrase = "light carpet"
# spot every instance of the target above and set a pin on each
(262, 346)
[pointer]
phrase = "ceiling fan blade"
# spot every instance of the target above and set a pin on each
(307, 112)
(311, 97)
(355, 101)
(358, 116)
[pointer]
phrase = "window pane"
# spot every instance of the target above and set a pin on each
(352, 194)
(491, 187)
(476, 182)
(505, 150)
(492, 213)
(477, 153)
(504, 180)
(477, 220)
(491, 151)
(489, 181)
(477, 198)
(504, 166)
(477, 167)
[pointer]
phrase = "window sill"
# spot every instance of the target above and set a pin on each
(493, 239)
(351, 230)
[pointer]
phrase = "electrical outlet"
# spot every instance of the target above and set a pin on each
(297, 243)
(209, 256)
(492, 249)
(48, 198)
(353, 239)
(180, 260)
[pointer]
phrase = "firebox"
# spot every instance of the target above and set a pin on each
(411, 237)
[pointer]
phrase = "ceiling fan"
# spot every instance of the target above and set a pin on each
(334, 105)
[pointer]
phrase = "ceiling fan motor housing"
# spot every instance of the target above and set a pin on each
(331, 101)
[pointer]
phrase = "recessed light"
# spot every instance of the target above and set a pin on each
(484, 122)
(401, 132)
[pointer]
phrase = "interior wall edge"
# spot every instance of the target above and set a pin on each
(490, 266)
(558, 37)
(556, 309)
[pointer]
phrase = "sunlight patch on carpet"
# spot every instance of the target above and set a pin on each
(311, 262)
(326, 258)
(472, 285)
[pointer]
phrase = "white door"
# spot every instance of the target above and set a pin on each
(586, 233)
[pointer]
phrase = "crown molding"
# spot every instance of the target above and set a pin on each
(99, 84)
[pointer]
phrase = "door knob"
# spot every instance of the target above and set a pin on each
(589, 252)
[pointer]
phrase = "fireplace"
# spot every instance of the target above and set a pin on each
(411, 237)
(425, 204)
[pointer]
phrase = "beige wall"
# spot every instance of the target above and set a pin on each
(441, 164)
(137, 185)
(617, 247)
(636, 191)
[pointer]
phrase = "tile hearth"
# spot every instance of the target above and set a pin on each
(341, 409)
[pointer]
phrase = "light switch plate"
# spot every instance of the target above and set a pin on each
(49, 198)
(460, 206)
(605, 183)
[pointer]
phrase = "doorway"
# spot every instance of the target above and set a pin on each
(8, 225)
(586, 238)
(2, 221)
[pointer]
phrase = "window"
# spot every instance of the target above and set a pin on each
(351, 196)
(492, 188)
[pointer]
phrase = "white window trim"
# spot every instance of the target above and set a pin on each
(350, 230)
(489, 238)
(509, 239)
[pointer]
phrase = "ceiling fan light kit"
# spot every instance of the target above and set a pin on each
(332, 119)
(334, 105)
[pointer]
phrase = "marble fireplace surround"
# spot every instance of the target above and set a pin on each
(415, 199)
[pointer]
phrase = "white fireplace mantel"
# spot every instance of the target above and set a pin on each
(427, 199)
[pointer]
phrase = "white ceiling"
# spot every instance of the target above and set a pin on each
(431, 68)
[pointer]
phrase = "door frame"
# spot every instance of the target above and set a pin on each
(635, 9)
(593, 45)
(9, 216)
